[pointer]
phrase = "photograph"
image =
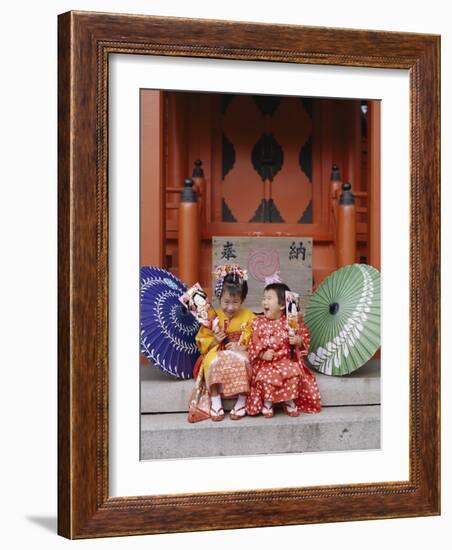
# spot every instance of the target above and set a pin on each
(266, 303)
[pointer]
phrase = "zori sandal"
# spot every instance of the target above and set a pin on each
(290, 409)
(237, 414)
(267, 411)
(217, 415)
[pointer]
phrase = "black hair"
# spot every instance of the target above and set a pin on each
(280, 289)
(235, 286)
(289, 306)
(199, 293)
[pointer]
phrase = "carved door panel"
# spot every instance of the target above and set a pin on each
(266, 160)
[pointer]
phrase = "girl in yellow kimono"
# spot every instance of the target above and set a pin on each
(224, 363)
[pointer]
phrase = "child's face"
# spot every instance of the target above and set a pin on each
(230, 303)
(272, 308)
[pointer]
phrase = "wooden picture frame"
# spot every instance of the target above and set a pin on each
(85, 508)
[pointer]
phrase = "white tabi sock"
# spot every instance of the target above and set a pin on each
(240, 404)
(241, 401)
(216, 402)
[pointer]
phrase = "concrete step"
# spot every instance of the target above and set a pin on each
(166, 436)
(161, 393)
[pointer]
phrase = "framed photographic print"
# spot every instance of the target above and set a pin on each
(188, 145)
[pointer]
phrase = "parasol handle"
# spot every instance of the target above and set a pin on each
(292, 347)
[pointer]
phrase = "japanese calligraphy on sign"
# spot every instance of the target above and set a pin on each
(228, 252)
(262, 257)
(295, 251)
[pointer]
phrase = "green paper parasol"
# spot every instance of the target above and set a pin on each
(343, 317)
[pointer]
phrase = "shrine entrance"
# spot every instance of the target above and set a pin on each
(263, 166)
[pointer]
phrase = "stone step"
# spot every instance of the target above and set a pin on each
(166, 436)
(161, 393)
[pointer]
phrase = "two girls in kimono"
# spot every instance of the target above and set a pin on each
(249, 357)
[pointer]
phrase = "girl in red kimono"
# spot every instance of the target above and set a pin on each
(276, 378)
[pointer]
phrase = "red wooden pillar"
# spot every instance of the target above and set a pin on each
(176, 154)
(189, 235)
(152, 182)
(199, 182)
(152, 190)
(374, 209)
(354, 144)
(335, 189)
(346, 228)
(177, 139)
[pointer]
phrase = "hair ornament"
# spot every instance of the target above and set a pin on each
(221, 271)
(275, 278)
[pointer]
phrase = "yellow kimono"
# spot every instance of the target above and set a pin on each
(230, 367)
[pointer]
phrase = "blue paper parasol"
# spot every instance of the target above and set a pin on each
(167, 329)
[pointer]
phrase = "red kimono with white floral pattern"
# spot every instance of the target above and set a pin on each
(282, 378)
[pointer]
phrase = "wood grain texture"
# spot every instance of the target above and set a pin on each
(85, 41)
(64, 297)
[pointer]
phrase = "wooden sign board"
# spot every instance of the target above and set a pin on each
(262, 257)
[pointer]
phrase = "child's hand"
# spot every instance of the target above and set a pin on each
(220, 336)
(268, 355)
(294, 340)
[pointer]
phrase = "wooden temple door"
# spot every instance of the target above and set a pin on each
(266, 161)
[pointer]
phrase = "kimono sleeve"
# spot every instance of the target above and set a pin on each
(255, 344)
(246, 332)
(204, 339)
(303, 332)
